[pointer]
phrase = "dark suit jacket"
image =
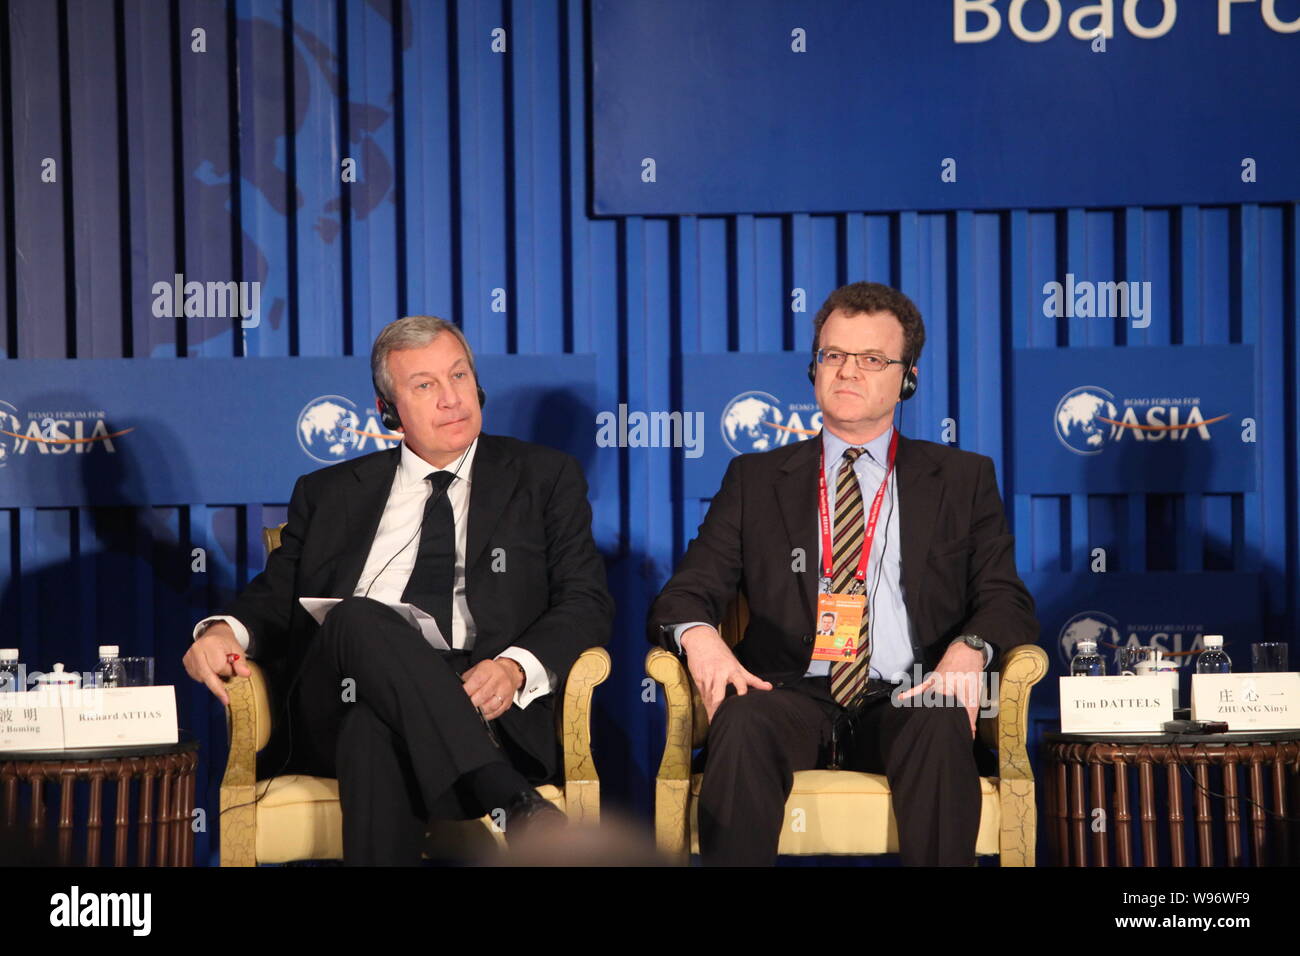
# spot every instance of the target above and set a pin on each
(958, 559)
(528, 500)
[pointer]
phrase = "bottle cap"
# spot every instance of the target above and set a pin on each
(108, 650)
(8, 653)
(1213, 640)
(1087, 645)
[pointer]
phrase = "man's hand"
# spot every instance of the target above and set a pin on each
(491, 685)
(713, 667)
(960, 674)
(207, 661)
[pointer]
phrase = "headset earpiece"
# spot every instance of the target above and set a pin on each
(388, 415)
(482, 396)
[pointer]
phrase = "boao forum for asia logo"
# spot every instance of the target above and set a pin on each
(332, 428)
(1088, 418)
(54, 432)
(759, 421)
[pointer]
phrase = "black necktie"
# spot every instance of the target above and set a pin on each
(434, 573)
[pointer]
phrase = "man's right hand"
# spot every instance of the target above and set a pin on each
(207, 663)
(713, 667)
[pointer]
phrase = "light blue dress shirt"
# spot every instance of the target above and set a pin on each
(888, 623)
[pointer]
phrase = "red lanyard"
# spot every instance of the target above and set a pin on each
(824, 516)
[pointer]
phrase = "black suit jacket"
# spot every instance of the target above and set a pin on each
(958, 559)
(528, 500)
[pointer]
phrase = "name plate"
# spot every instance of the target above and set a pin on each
(31, 720)
(1248, 701)
(121, 716)
(68, 718)
(1116, 705)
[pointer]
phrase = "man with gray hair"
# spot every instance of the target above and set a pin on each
(485, 542)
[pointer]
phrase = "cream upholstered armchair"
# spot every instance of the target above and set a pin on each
(846, 812)
(297, 817)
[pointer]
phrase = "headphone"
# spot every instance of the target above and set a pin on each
(388, 411)
(905, 391)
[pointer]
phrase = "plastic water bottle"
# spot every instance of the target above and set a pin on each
(1087, 662)
(110, 672)
(1212, 660)
(9, 670)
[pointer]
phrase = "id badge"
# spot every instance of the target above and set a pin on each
(839, 626)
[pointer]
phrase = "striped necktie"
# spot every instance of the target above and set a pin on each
(848, 677)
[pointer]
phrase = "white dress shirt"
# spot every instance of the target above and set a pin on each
(392, 558)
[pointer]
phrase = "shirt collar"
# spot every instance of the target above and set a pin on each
(834, 446)
(413, 470)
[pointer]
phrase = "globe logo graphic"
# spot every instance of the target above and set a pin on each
(1076, 419)
(328, 428)
(747, 422)
(8, 423)
(1088, 626)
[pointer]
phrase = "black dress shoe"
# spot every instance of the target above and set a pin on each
(528, 809)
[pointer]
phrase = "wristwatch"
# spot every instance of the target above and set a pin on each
(973, 641)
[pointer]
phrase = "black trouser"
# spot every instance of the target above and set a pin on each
(758, 740)
(386, 713)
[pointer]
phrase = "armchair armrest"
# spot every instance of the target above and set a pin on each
(581, 785)
(1022, 668)
(673, 782)
(248, 726)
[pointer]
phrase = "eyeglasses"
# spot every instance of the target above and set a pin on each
(867, 361)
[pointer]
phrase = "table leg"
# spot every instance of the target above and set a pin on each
(122, 818)
(145, 827)
(1078, 813)
(1123, 814)
(1232, 806)
(1176, 821)
(1259, 820)
(1147, 788)
(1100, 848)
(67, 790)
(1204, 819)
(94, 817)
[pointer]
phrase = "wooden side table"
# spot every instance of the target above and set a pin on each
(164, 774)
(1087, 773)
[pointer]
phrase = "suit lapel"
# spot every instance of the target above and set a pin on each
(920, 492)
(796, 496)
(363, 507)
(495, 474)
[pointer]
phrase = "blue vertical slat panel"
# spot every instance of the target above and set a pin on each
(266, 195)
(11, 632)
(96, 195)
(823, 270)
(1021, 309)
(8, 316)
(209, 180)
(40, 260)
(523, 234)
(714, 285)
(426, 92)
(1271, 525)
(743, 315)
(1284, 234)
(317, 174)
(991, 401)
(151, 170)
(482, 163)
(770, 299)
(372, 197)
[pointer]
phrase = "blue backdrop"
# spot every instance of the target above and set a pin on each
(363, 159)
